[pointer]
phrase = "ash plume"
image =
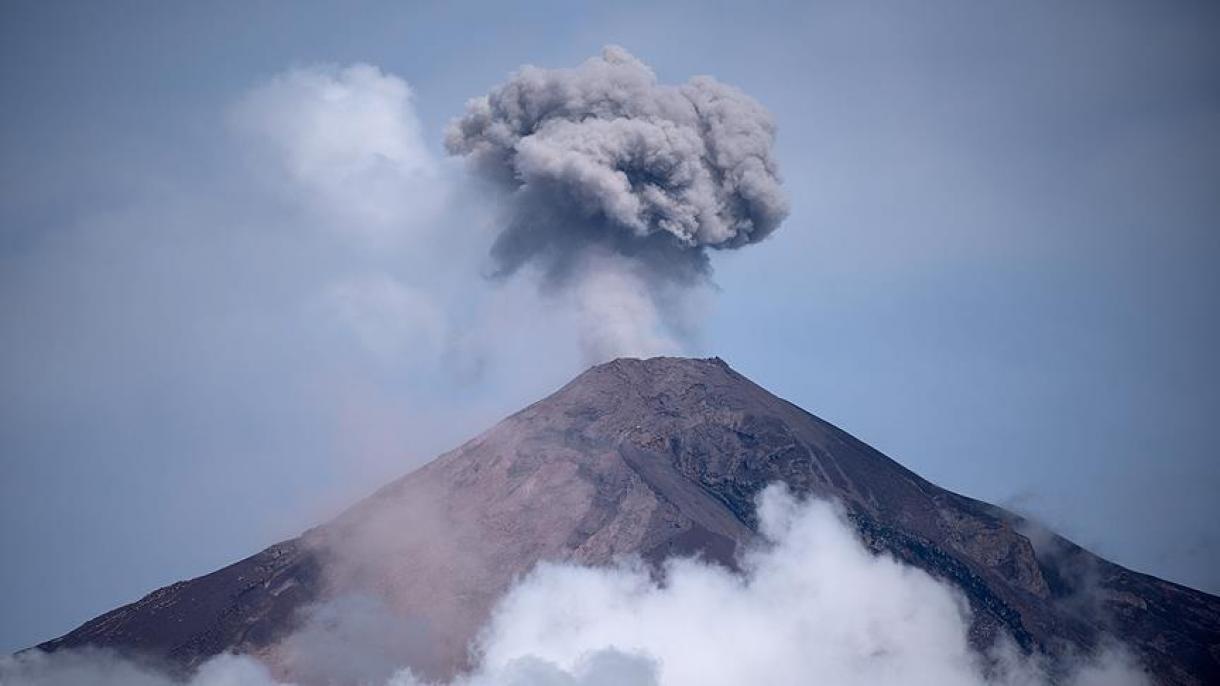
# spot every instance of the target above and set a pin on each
(603, 160)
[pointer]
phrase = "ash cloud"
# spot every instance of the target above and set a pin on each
(602, 163)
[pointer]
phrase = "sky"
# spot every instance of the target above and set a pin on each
(243, 283)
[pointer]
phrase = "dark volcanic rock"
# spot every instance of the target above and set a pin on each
(656, 458)
(244, 607)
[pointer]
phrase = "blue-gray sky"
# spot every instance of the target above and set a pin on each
(219, 322)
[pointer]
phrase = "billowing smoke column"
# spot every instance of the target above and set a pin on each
(604, 167)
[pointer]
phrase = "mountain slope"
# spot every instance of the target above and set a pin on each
(655, 457)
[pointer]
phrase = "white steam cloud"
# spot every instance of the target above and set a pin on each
(103, 668)
(350, 145)
(811, 605)
(345, 149)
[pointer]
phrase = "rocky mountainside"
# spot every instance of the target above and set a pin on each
(657, 457)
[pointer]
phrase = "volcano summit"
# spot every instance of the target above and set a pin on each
(651, 458)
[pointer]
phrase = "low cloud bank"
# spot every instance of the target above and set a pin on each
(104, 668)
(812, 601)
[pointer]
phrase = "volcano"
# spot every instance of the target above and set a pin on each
(654, 458)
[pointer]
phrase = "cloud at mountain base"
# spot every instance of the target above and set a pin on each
(810, 600)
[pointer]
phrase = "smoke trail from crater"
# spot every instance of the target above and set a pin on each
(602, 165)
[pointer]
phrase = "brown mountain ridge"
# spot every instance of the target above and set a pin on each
(651, 457)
